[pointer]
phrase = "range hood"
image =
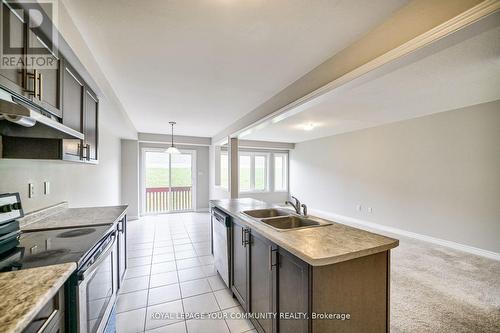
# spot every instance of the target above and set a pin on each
(18, 119)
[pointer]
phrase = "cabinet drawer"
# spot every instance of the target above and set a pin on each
(50, 318)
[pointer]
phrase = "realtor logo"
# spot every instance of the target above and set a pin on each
(28, 37)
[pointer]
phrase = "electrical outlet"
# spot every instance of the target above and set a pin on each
(46, 187)
(358, 207)
(370, 210)
(31, 190)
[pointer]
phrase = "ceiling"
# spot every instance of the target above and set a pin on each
(458, 71)
(207, 63)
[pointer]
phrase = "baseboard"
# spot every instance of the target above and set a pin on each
(202, 210)
(132, 218)
(379, 227)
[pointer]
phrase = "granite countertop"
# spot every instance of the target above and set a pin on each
(318, 246)
(25, 292)
(60, 216)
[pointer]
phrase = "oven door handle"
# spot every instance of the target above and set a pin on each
(89, 271)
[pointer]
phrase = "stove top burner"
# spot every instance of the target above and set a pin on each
(45, 254)
(76, 233)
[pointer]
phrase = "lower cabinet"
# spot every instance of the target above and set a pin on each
(50, 319)
(293, 292)
(269, 280)
(262, 280)
(240, 264)
(122, 250)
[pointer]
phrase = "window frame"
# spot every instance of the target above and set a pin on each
(252, 156)
(285, 167)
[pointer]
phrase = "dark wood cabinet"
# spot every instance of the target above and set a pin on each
(72, 101)
(90, 123)
(269, 279)
(262, 280)
(53, 88)
(43, 84)
(240, 264)
(122, 250)
(293, 292)
(80, 112)
(51, 318)
(14, 38)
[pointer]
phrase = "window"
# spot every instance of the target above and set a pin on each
(253, 171)
(280, 172)
(224, 169)
(245, 171)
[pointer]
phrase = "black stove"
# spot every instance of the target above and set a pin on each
(92, 288)
(50, 247)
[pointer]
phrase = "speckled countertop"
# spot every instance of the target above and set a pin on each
(62, 217)
(317, 246)
(25, 292)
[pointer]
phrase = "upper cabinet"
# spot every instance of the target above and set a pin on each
(90, 126)
(13, 34)
(73, 90)
(55, 89)
(43, 84)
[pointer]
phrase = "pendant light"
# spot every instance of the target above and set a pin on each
(172, 149)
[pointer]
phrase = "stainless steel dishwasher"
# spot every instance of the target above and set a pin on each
(221, 224)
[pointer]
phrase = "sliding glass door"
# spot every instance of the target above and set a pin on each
(168, 181)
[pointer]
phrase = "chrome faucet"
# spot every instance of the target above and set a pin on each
(296, 205)
(304, 209)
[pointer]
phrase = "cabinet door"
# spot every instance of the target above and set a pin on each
(45, 82)
(91, 125)
(293, 291)
(240, 264)
(262, 280)
(122, 250)
(13, 36)
(72, 101)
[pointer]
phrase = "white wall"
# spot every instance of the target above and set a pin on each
(130, 176)
(437, 175)
(215, 192)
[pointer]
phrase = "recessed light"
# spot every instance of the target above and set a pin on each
(308, 126)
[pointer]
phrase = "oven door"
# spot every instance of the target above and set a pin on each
(96, 290)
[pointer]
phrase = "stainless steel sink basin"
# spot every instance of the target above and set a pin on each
(293, 222)
(270, 212)
(284, 219)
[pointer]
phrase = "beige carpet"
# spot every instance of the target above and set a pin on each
(437, 289)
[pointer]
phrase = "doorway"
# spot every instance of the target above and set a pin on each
(168, 181)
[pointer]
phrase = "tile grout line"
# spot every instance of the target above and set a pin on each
(149, 279)
(179, 280)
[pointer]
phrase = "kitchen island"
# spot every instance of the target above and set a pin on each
(335, 274)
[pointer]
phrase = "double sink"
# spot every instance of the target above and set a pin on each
(284, 219)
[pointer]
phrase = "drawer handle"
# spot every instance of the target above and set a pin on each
(48, 321)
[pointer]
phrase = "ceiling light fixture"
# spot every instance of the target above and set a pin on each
(309, 126)
(172, 149)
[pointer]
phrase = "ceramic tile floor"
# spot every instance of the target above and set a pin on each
(171, 271)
